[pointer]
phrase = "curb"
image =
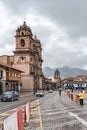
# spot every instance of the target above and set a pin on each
(26, 95)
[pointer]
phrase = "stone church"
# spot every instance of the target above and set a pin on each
(57, 78)
(27, 57)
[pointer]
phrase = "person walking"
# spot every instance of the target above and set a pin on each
(60, 91)
(81, 97)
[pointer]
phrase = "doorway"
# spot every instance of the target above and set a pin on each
(1, 91)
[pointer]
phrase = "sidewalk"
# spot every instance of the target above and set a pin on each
(25, 94)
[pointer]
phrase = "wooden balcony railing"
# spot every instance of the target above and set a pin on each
(13, 78)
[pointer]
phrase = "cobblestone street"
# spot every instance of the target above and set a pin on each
(53, 112)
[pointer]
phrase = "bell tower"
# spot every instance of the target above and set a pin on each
(23, 37)
(57, 78)
(28, 58)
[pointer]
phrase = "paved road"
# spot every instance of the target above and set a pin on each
(53, 112)
(7, 108)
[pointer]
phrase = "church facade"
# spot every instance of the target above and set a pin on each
(27, 58)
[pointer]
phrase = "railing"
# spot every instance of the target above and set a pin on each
(13, 78)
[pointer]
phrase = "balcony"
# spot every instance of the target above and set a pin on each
(11, 78)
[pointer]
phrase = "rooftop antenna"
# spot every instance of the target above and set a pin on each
(24, 19)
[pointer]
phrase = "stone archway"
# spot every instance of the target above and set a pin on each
(1, 86)
(16, 88)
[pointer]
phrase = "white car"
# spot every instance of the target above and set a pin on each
(50, 91)
(39, 93)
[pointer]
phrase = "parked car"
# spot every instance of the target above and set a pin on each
(39, 93)
(10, 96)
(50, 91)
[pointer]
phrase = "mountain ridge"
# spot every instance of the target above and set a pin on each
(65, 71)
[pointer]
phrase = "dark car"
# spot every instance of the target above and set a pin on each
(39, 93)
(10, 96)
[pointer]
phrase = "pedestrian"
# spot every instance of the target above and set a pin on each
(81, 97)
(60, 91)
(72, 90)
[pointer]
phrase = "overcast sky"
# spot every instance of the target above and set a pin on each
(60, 25)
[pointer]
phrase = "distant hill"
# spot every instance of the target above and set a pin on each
(64, 72)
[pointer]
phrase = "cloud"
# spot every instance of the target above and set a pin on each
(60, 26)
(71, 15)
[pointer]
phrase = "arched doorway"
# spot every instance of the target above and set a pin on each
(1, 85)
(16, 87)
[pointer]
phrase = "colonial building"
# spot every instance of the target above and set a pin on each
(53, 82)
(77, 82)
(28, 58)
(9, 78)
(49, 84)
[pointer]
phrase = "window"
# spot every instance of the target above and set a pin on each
(22, 58)
(1, 74)
(22, 33)
(22, 42)
(31, 59)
